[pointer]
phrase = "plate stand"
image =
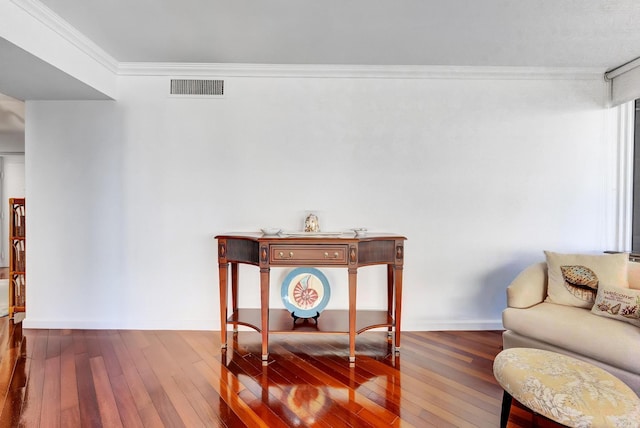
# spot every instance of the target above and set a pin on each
(306, 319)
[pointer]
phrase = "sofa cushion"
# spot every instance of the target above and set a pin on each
(618, 303)
(579, 331)
(574, 278)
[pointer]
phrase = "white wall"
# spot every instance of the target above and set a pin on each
(74, 217)
(480, 175)
(12, 142)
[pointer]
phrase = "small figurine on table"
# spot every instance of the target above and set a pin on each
(311, 223)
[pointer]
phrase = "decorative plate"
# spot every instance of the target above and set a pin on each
(271, 231)
(305, 292)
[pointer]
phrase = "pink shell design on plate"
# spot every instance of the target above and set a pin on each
(305, 292)
(304, 296)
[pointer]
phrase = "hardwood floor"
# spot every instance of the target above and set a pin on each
(90, 378)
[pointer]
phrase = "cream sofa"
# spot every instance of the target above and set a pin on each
(532, 323)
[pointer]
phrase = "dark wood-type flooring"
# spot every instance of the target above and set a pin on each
(111, 378)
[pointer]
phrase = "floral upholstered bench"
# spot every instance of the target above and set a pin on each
(564, 389)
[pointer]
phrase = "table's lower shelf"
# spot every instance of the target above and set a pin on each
(330, 321)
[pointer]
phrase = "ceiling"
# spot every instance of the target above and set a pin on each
(524, 33)
(26, 77)
(594, 34)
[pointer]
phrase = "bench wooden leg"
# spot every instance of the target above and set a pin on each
(506, 409)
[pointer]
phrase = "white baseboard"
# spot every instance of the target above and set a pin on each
(213, 325)
(459, 325)
(119, 325)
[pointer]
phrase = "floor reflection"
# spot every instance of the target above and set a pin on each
(304, 384)
(307, 402)
(13, 376)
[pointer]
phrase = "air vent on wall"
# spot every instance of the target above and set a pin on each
(197, 87)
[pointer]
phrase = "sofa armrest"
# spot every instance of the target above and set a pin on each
(529, 288)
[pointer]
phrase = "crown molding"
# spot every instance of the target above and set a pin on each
(357, 71)
(53, 21)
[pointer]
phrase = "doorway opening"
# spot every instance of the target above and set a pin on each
(12, 181)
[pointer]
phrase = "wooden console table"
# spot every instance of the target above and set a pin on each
(343, 251)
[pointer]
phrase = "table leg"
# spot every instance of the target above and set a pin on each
(398, 304)
(234, 292)
(390, 305)
(264, 308)
(353, 281)
(223, 272)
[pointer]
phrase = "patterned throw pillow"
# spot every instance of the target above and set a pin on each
(619, 303)
(574, 278)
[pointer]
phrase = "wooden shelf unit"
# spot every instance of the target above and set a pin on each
(17, 259)
(346, 251)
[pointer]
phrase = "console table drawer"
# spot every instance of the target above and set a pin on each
(309, 254)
